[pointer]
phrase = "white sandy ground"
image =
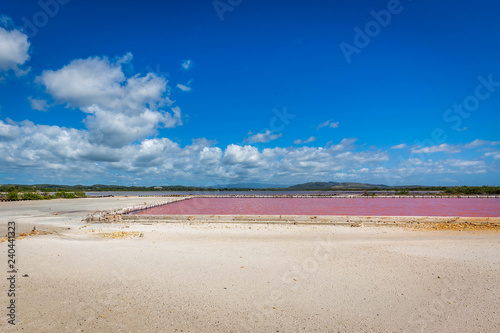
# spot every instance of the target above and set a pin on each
(245, 278)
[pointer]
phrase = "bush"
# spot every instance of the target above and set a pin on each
(31, 196)
(13, 195)
(402, 192)
(65, 195)
(80, 194)
(473, 190)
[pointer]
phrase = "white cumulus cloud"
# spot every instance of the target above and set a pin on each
(477, 143)
(299, 141)
(263, 137)
(330, 123)
(38, 104)
(246, 155)
(53, 154)
(444, 147)
(186, 64)
(183, 87)
(14, 50)
(400, 146)
(451, 149)
(121, 109)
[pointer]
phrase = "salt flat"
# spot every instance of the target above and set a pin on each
(240, 278)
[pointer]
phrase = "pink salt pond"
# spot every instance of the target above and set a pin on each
(466, 207)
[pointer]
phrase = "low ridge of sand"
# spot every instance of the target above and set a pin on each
(191, 277)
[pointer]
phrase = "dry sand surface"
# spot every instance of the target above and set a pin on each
(159, 277)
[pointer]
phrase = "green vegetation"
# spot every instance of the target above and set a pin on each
(80, 194)
(473, 190)
(64, 194)
(402, 192)
(335, 186)
(31, 196)
(69, 195)
(13, 195)
(103, 188)
(28, 194)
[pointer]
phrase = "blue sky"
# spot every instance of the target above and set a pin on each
(231, 91)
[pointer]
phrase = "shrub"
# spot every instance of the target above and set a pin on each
(473, 190)
(13, 195)
(31, 196)
(65, 195)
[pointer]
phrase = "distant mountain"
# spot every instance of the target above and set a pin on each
(248, 185)
(313, 186)
(335, 186)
